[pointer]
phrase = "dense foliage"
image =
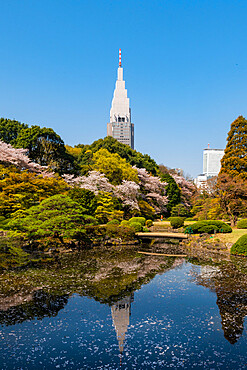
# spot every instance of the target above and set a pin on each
(133, 157)
(52, 222)
(44, 146)
(234, 161)
(232, 195)
(20, 190)
(208, 227)
(176, 222)
(240, 247)
(101, 187)
(242, 224)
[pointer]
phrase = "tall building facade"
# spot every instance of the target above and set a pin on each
(211, 161)
(120, 126)
(211, 166)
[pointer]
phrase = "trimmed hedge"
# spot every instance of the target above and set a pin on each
(136, 225)
(113, 222)
(208, 227)
(242, 224)
(141, 220)
(176, 222)
(240, 247)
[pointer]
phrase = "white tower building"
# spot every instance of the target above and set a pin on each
(120, 126)
(211, 161)
(211, 166)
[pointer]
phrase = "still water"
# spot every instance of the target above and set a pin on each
(125, 311)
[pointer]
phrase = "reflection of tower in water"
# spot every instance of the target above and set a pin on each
(121, 312)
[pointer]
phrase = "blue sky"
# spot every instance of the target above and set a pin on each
(185, 66)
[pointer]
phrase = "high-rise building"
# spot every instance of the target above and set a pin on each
(211, 166)
(211, 161)
(120, 126)
(121, 312)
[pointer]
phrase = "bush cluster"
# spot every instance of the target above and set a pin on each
(137, 226)
(208, 227)
(176, 222)
(113, 222)
(124, 232)
(141, 220)
(242, 224)
(240, 247)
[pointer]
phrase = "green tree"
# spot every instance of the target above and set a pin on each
(114, 167)
(173, 192)
(46, 148)
(19, 190)
(85, 198)
(10, 130)
(52, 221)
(107, 208)
(234, 161)
(180, 210)
(232, 194)
(113, 146)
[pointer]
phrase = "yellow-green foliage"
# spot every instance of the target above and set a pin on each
(114, 167)
(105, 210)
(76, 152)
(19, 190)
(242, 224)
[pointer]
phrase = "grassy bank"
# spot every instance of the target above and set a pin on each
(231, 237)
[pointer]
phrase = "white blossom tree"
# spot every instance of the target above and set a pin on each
(187, 188)
(128, 192)
(18, 158)
(95, 181)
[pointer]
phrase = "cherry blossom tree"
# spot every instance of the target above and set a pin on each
(187, 188)
(95, 182)
(153, 190)
(18, 158)
(128, 192)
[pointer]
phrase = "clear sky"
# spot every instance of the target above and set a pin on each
(185, 66)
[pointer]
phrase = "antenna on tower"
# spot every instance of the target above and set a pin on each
(208, 145)
(120, 61)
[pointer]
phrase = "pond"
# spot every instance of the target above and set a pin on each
(120, 309)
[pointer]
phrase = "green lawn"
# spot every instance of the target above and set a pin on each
(231, 237)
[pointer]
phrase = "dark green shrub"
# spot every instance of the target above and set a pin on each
(123, 232)
(141, 220)
(149, 223)
(190, 219)
(113, 222)
(208, 229)
(242, 224)
(176, 222)
(126, 232)
(240, 247)
(95, 231)
(90, 220)
(225, 229)
(137, 226)
(201, 227)
(180, 211)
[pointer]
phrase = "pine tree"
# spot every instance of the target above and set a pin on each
(234, 161)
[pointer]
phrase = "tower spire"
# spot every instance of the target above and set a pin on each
(120, 61)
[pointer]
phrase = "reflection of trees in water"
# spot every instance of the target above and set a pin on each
(39, 305)
(230, 286)
(106, 276)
